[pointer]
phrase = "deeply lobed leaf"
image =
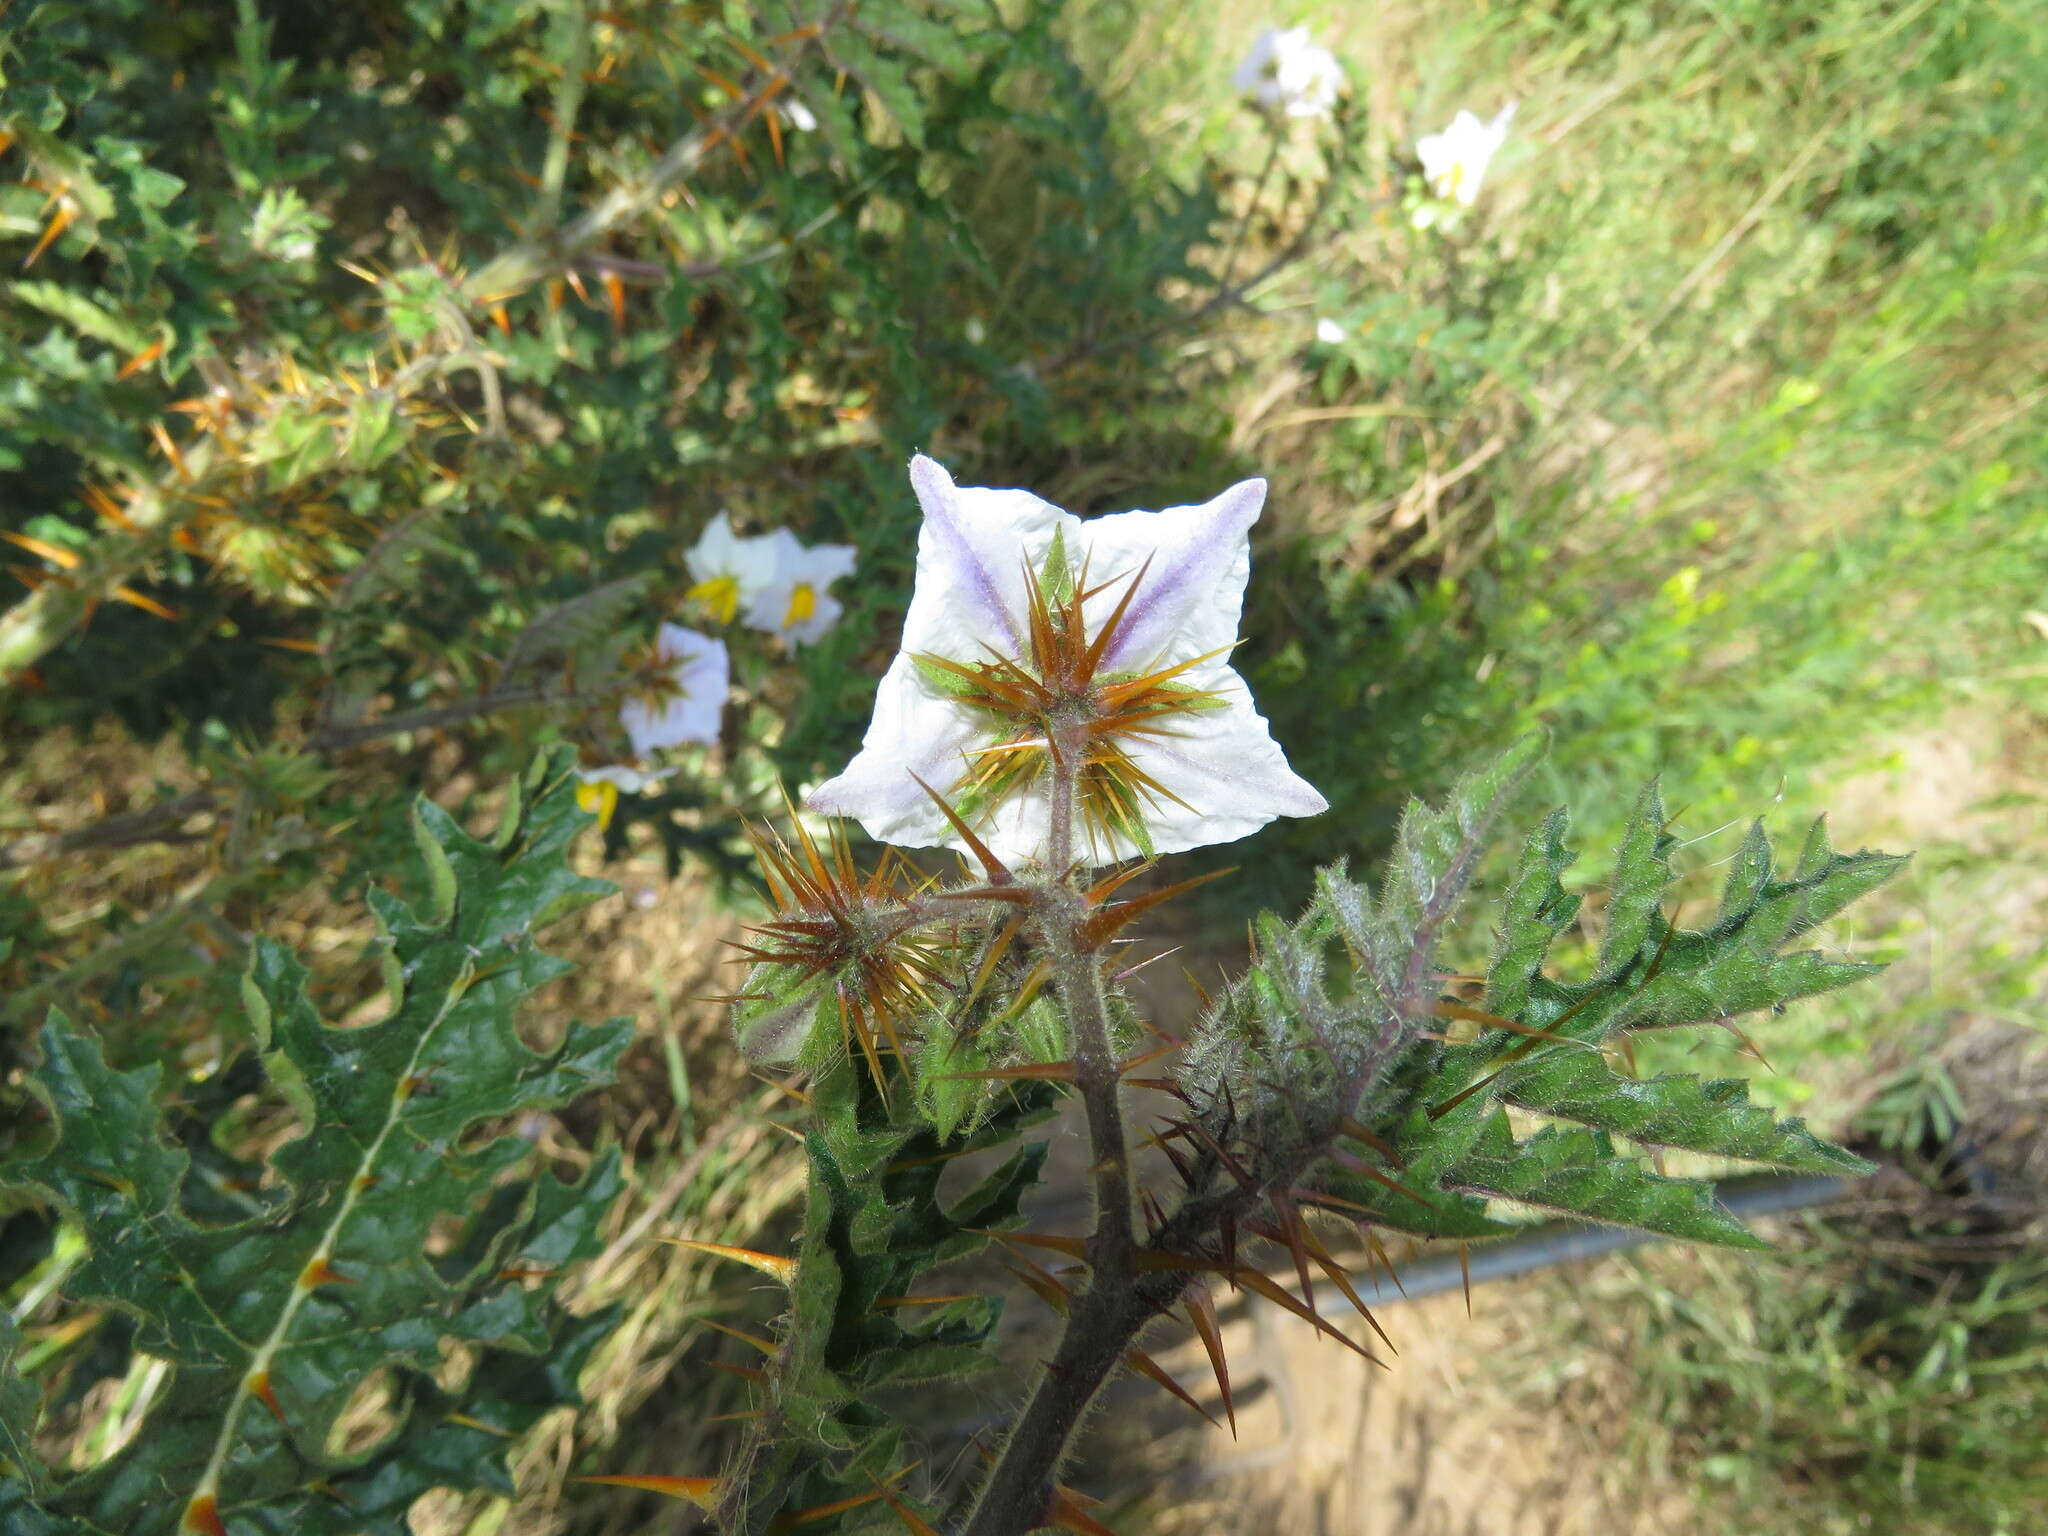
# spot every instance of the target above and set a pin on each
(273, 1323)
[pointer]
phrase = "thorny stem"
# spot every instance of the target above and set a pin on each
(1109, 1313)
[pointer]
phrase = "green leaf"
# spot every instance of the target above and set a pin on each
(1642, 869)
(1536, 911)
(1576, 1171)
(873, 1227)
(19, 1401)
(1436, 854)
(81, 314)
(303, 1303)
(1713, 1116)
(1702, 982)
(1748, 873)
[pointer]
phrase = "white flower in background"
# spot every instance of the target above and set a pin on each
(598, 789)
(680, 693)
(727, 570)
(797, 115)
(1288, 71)
(794, 603)
(1024, 616)
(1454, 162)
(1329, 332)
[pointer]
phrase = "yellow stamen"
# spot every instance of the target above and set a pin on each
(803, 604)
(721, 594)
(599, 797)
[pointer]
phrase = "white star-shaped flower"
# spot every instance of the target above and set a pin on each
(1024, 615)
(1454, 162)
(728, 571)
(793, 603)
(683, 695)
(1288, 71)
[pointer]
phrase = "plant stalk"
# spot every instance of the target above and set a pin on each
(1106, 1317)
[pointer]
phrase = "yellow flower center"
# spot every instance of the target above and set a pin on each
(803, 603)
(598, 797)
(721, 594)
(1061, 682)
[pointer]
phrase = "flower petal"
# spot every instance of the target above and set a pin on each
(629, 780)
(1193, 591)
(824, 614)
(973, 553)
(913, 732)
(719, 552)
(703, 675)
(1225, 764)
(823, 564)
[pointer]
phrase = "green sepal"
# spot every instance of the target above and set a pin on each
(943, 680)
(776, 1021)
(1056, 574)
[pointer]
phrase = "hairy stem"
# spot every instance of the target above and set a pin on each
(1108, 1314)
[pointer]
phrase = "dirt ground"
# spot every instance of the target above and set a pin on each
(1450, 1440)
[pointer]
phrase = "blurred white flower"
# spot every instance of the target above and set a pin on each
(681, 692)
(1329, 332)
(794, 603)
(630, 781)
(1025, 619)
(727, 570)
(797, 115)
(1288, 71)
(1454, 162)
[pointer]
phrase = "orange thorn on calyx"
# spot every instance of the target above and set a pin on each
(774, 1265)
(202, 1515)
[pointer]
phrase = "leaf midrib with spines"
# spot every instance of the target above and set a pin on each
(261, 1356)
